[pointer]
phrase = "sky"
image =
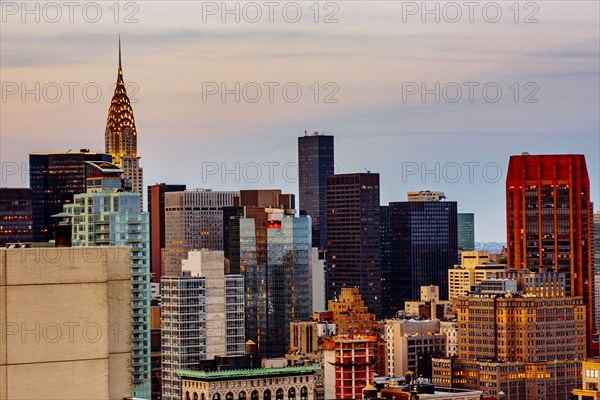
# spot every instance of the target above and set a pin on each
(431, 95)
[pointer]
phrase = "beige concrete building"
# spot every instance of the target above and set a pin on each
(250, 384)
(475, 267)
(430, 306)
(65, 318)
(590, 373)
(408, 339)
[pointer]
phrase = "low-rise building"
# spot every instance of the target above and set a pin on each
(410, 345)
(250, 384)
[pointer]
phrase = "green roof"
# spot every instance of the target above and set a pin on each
(249, 373)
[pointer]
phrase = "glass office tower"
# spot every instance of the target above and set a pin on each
(107, 216)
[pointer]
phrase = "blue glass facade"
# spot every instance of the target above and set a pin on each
(466, 231)
(275, 263)
(112, 218)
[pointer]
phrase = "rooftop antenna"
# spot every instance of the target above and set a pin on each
(368, 170)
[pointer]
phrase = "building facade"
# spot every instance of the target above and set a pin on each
(288, 383)
(315, 164)
(466, 231)
(590, 374)
(423, 246)
(271, 248)
(353, 251)
(65, 316)
(107, 216)
(597, 273)
(475, 267)
(121, 135)
(349, 365)
(549, 221)
(156, 208)
(193, 221)
(202, 317)
(525, 345)
(54, 179)
(16, 219)
(410, 345)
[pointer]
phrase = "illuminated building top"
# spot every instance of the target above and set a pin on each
(121, 135)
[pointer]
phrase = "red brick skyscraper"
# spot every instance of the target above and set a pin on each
(549, 220)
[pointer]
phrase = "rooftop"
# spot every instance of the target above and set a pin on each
(248, 373)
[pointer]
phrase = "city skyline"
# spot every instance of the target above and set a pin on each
(374, 128)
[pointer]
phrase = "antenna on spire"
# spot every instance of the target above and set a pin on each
(119, 50)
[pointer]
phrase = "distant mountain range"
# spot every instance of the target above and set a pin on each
(492, 247)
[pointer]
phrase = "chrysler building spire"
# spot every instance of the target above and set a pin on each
(121, 134)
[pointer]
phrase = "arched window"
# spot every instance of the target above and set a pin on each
(254, 395)
(229, 396)
(216, 396)
(279, 394)
(242, 395)
(267, 395)
(304, 393)
(292, 394)
(187, 395)
(196, 396)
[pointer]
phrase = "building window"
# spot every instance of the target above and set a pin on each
(242, 395)
(279, 394)
(229, 396)
(254, 395)
(292, 394)
(304, 393)
(267, 395)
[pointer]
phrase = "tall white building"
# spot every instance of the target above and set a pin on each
(193, 220)
(450, 330)
(202, 317)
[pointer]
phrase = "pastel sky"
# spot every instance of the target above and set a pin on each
(371, 61)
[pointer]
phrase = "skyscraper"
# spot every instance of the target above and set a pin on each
(597, 271)
(270, 247)
(353, 251)
(315, 164)
(121, 135)
(54, 179)
(549, 221)
(466, 231)
(423, 246)
(15, 215)
(156, 208)
(107, 216)
(193, 221)
(202, 317)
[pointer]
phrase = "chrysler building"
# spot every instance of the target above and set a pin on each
(121, 135)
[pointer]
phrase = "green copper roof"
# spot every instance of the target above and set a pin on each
(248, 373)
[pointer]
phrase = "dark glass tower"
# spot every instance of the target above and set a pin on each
(466, 231)
(270, 247)
(156, 208)
(315, 164)
(54, 179)
(15, 215)
(423, 245)
(353, 250)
